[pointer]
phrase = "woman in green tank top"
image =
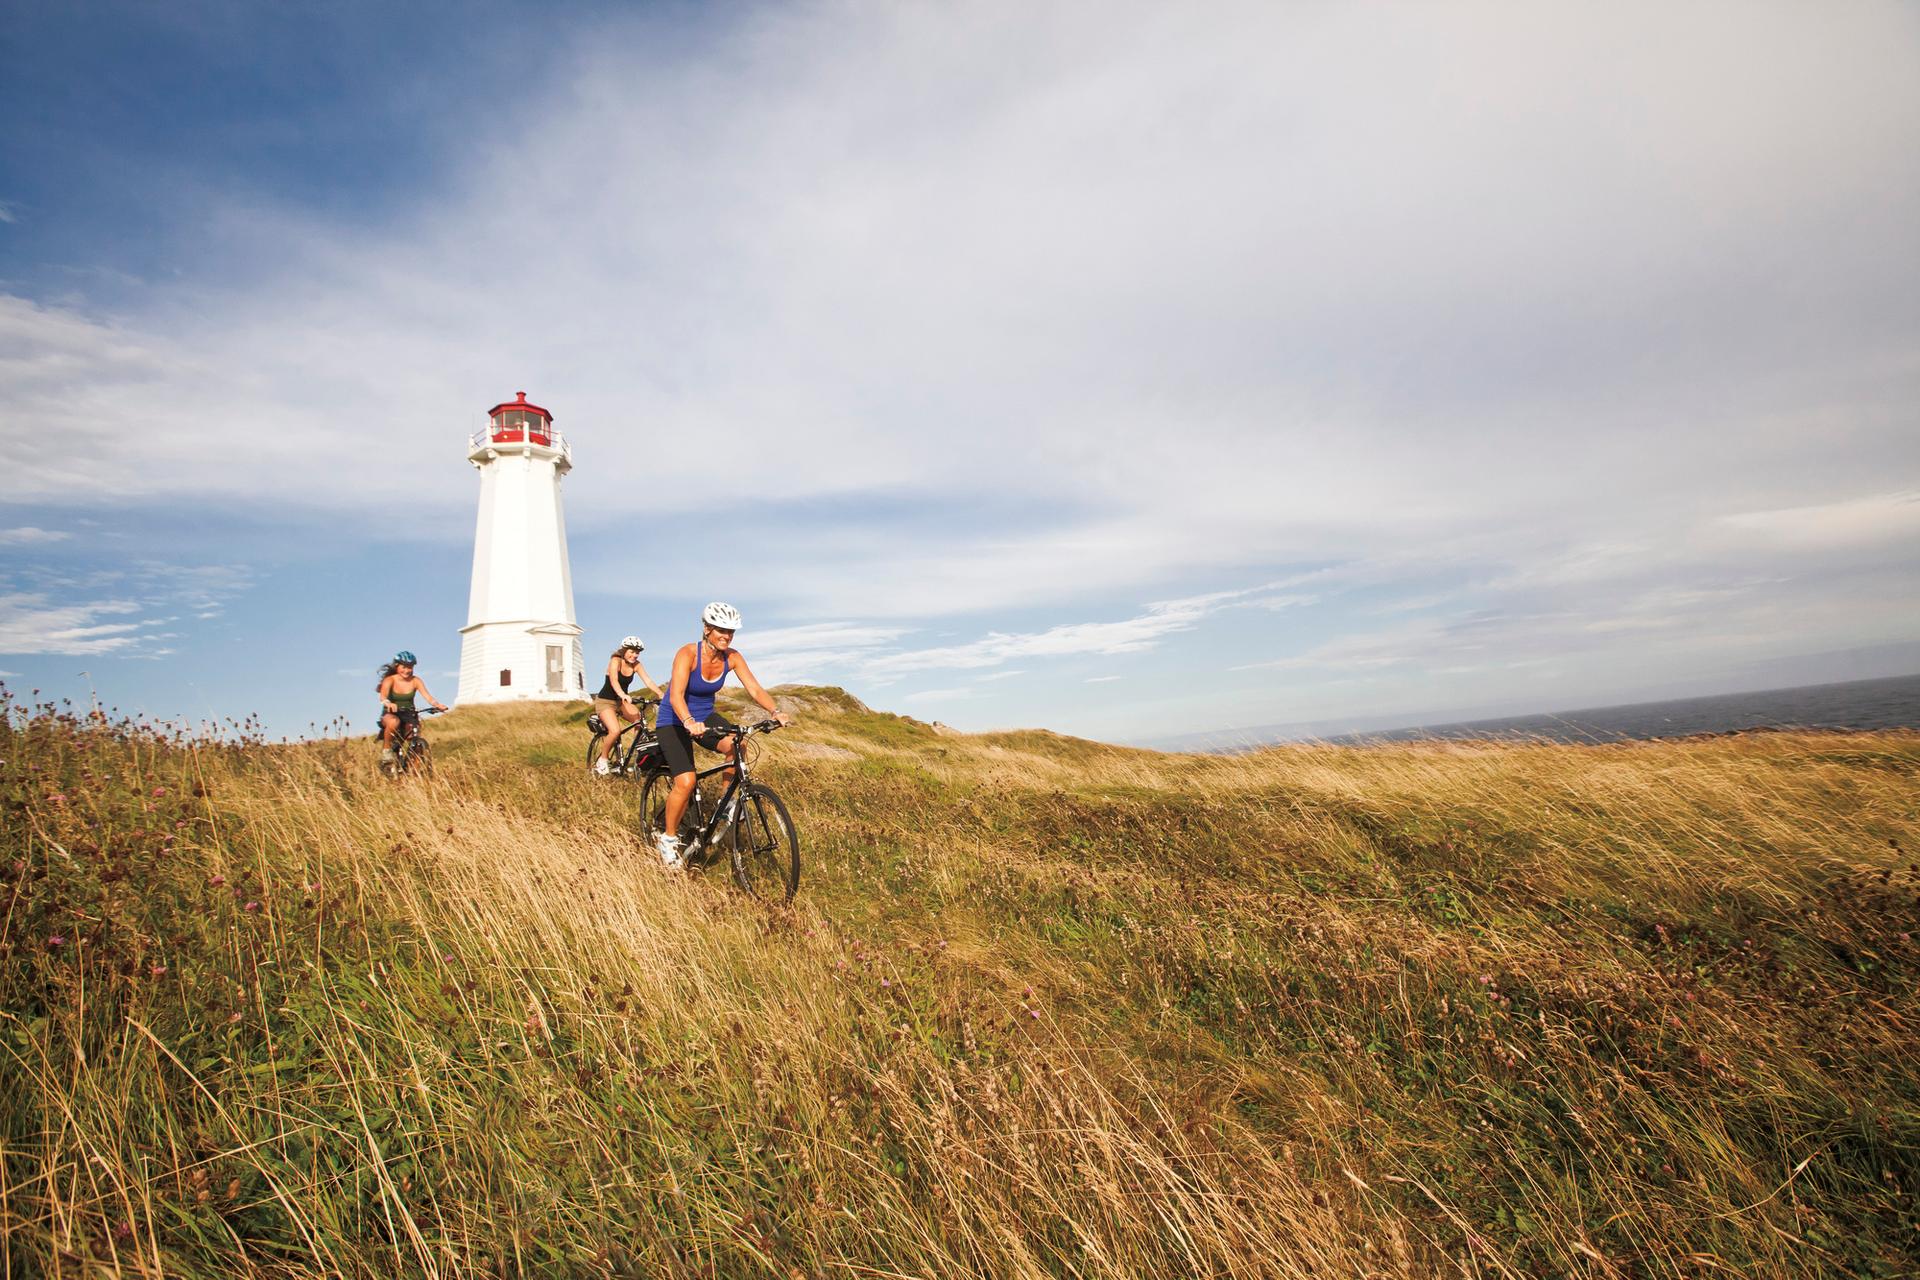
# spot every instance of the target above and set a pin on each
(398, 688)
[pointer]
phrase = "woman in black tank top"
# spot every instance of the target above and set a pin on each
(613, 701)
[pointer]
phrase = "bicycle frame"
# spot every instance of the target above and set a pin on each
(742, 775)
(620, 758)
(406, 732)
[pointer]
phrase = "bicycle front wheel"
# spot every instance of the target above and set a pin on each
(417, 758)
(766, 848)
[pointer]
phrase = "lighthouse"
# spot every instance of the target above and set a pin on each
(521, 641)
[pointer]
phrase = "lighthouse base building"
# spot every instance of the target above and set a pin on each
(521, 642)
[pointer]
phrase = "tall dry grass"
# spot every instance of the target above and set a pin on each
(1043, 1008)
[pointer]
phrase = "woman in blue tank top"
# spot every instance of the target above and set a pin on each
(699, 670)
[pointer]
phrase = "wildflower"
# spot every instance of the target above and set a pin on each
(1033, 1013)
(57, 940)
(157, 971)
(56, 800)
(159, 791)
(217, 881)
(447, 958)
(234, 1017)
(253, 906)
(885, 983)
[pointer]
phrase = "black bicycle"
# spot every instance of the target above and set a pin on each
(748, 819)
(637, 754)
(410, 753)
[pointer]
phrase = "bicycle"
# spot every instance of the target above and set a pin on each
(763, 847)
(410, 754)
(633, 759)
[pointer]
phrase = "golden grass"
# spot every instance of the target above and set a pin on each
(1043, 1008)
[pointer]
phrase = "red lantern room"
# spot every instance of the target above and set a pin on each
(516, 421)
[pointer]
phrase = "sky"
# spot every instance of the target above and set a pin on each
(1131, 370)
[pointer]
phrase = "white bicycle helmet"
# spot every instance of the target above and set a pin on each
(723, 616)
(633, 642)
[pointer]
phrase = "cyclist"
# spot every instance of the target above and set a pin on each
(686, 713)
(613, 702)
(398, 687)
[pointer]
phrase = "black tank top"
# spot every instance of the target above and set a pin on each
(607, 690)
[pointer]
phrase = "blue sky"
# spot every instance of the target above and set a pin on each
(1133, 370)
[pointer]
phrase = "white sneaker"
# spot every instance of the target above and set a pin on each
(669, 847)
(386, 755)
(600, 766)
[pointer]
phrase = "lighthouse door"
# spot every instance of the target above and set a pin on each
(556, 669)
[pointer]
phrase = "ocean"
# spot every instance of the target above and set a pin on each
(1892, 703)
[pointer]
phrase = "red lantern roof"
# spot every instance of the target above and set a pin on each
(520, 403)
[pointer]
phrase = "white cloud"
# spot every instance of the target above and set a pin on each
(875, 658)
(29, 536)
(58, 612)
(1872, 520)
(29, 623)
(1162, 256)
(1100, 679)
(783, 654)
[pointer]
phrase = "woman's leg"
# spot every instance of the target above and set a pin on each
(389, 725)
(606, 711)
(676, 746)
(677, 798)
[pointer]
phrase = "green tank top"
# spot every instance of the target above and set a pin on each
(404, 701)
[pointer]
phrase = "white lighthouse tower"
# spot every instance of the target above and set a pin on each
(520, 641)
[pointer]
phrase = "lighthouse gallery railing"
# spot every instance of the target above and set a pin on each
(547, 438)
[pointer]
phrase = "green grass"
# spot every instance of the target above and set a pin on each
(1044, 1007)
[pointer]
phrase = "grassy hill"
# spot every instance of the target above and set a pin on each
(1044, 1007)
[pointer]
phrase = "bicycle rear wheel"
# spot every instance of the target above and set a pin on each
(766, 848)
(593, 749)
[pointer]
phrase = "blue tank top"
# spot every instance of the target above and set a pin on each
(700, 691)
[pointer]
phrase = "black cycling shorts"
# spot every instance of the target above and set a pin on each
(676, 744)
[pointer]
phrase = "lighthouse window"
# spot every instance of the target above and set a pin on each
(506, 678)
